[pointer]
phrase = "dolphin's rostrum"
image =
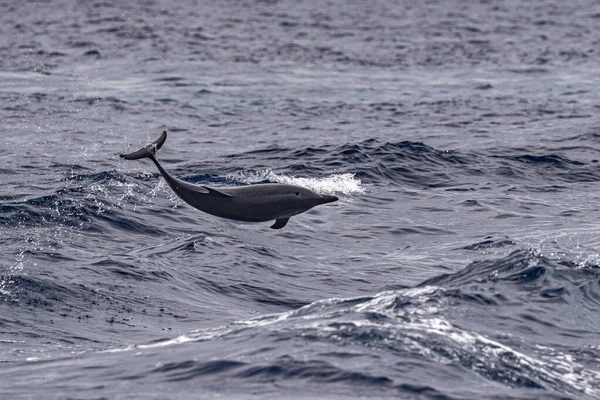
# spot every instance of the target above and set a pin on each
(254, 203)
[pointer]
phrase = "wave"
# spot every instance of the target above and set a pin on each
(419, 165)
(447, 322)
(84, 196)
(527, 271)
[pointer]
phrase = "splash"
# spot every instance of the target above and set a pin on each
(347, 184)
(15, 269)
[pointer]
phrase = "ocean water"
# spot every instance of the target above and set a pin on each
(461, 261)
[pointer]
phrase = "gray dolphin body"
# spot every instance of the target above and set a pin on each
(254, 203)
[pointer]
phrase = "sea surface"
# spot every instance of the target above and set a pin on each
(461, 261)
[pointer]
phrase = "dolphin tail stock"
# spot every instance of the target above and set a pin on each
(148, 151)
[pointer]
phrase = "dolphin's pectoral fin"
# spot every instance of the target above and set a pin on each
(217, 192)
(280, 223)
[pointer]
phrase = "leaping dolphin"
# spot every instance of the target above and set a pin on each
(254, 203)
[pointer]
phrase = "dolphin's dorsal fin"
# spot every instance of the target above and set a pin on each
(280, 223)
(216, 192)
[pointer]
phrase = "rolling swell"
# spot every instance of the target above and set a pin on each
(420, 324)
(335, 343)
(284, 368)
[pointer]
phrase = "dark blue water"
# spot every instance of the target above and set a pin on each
(461, 262)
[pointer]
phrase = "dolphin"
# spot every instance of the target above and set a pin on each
(254, 203)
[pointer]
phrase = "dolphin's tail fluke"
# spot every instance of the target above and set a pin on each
(147, 151)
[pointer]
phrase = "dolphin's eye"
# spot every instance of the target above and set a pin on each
(297, 193)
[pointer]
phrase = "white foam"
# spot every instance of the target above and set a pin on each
(551, 364)
(347, 184)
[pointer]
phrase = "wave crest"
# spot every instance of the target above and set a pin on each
(347, 184)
